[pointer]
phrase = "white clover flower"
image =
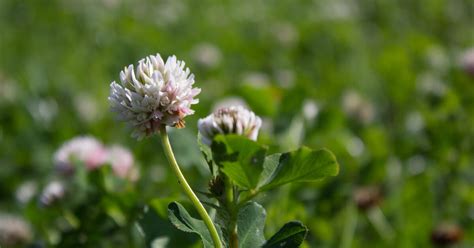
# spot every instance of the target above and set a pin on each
(121, 160)
(207, 55)
(84, 149)
(358, 107)
(26, 191)
(310, 109)
(156, 93)
(53, 192)
(467, 61)
(14, 231)
(231, 120)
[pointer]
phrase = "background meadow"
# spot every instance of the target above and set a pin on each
(382, 84)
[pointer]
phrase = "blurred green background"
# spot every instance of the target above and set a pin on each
(379, 83)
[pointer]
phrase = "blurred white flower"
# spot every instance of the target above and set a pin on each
(310, 109)
(52, 193)
(168, 12)
(25, 191)
(14, 231)
(285, 78)
(416, 164)
(414, 122)
(8, 89)
(430, 84)
(228, 102)
(156, 93)
(231, 120)
(43, 111)
(121, 160)
(437, 59)
(253, 11)
(357, 107)
(337, 10)
(285, 33)
(467, 61)
(206, 55)
(256, 79)
(84, 149)
(86, 107)
(355, 146)
(111, 4)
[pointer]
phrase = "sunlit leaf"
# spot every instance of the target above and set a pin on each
(240, 158)
(154, 225)
(184, 222)
(291, 235)
(302, 165)
(250, 222)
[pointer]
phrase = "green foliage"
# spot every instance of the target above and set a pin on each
(181, 219)
(239, 158)
(155, 226)
(292, 234)
(250, 225)
(302, 165)
(207, 154)
(244, 162)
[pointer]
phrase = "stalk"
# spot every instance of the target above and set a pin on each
(187, 189)
(232, 209)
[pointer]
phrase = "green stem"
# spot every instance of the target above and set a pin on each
(249, 197)
(231, 199)
(187, 189)
(349, 227)
(234, 240)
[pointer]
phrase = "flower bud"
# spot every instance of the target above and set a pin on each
(231, 120)
(217, 186)
(446, 234)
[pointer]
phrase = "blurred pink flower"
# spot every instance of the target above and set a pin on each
(121, 160)
(84, 149)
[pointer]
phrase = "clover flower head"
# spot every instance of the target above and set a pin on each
(14, 231)
(153, 94)
(52, 193)
(121, 160)
(84, 149)
(357, 107)
(26, 191)
(467, 61)
(230, 120)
